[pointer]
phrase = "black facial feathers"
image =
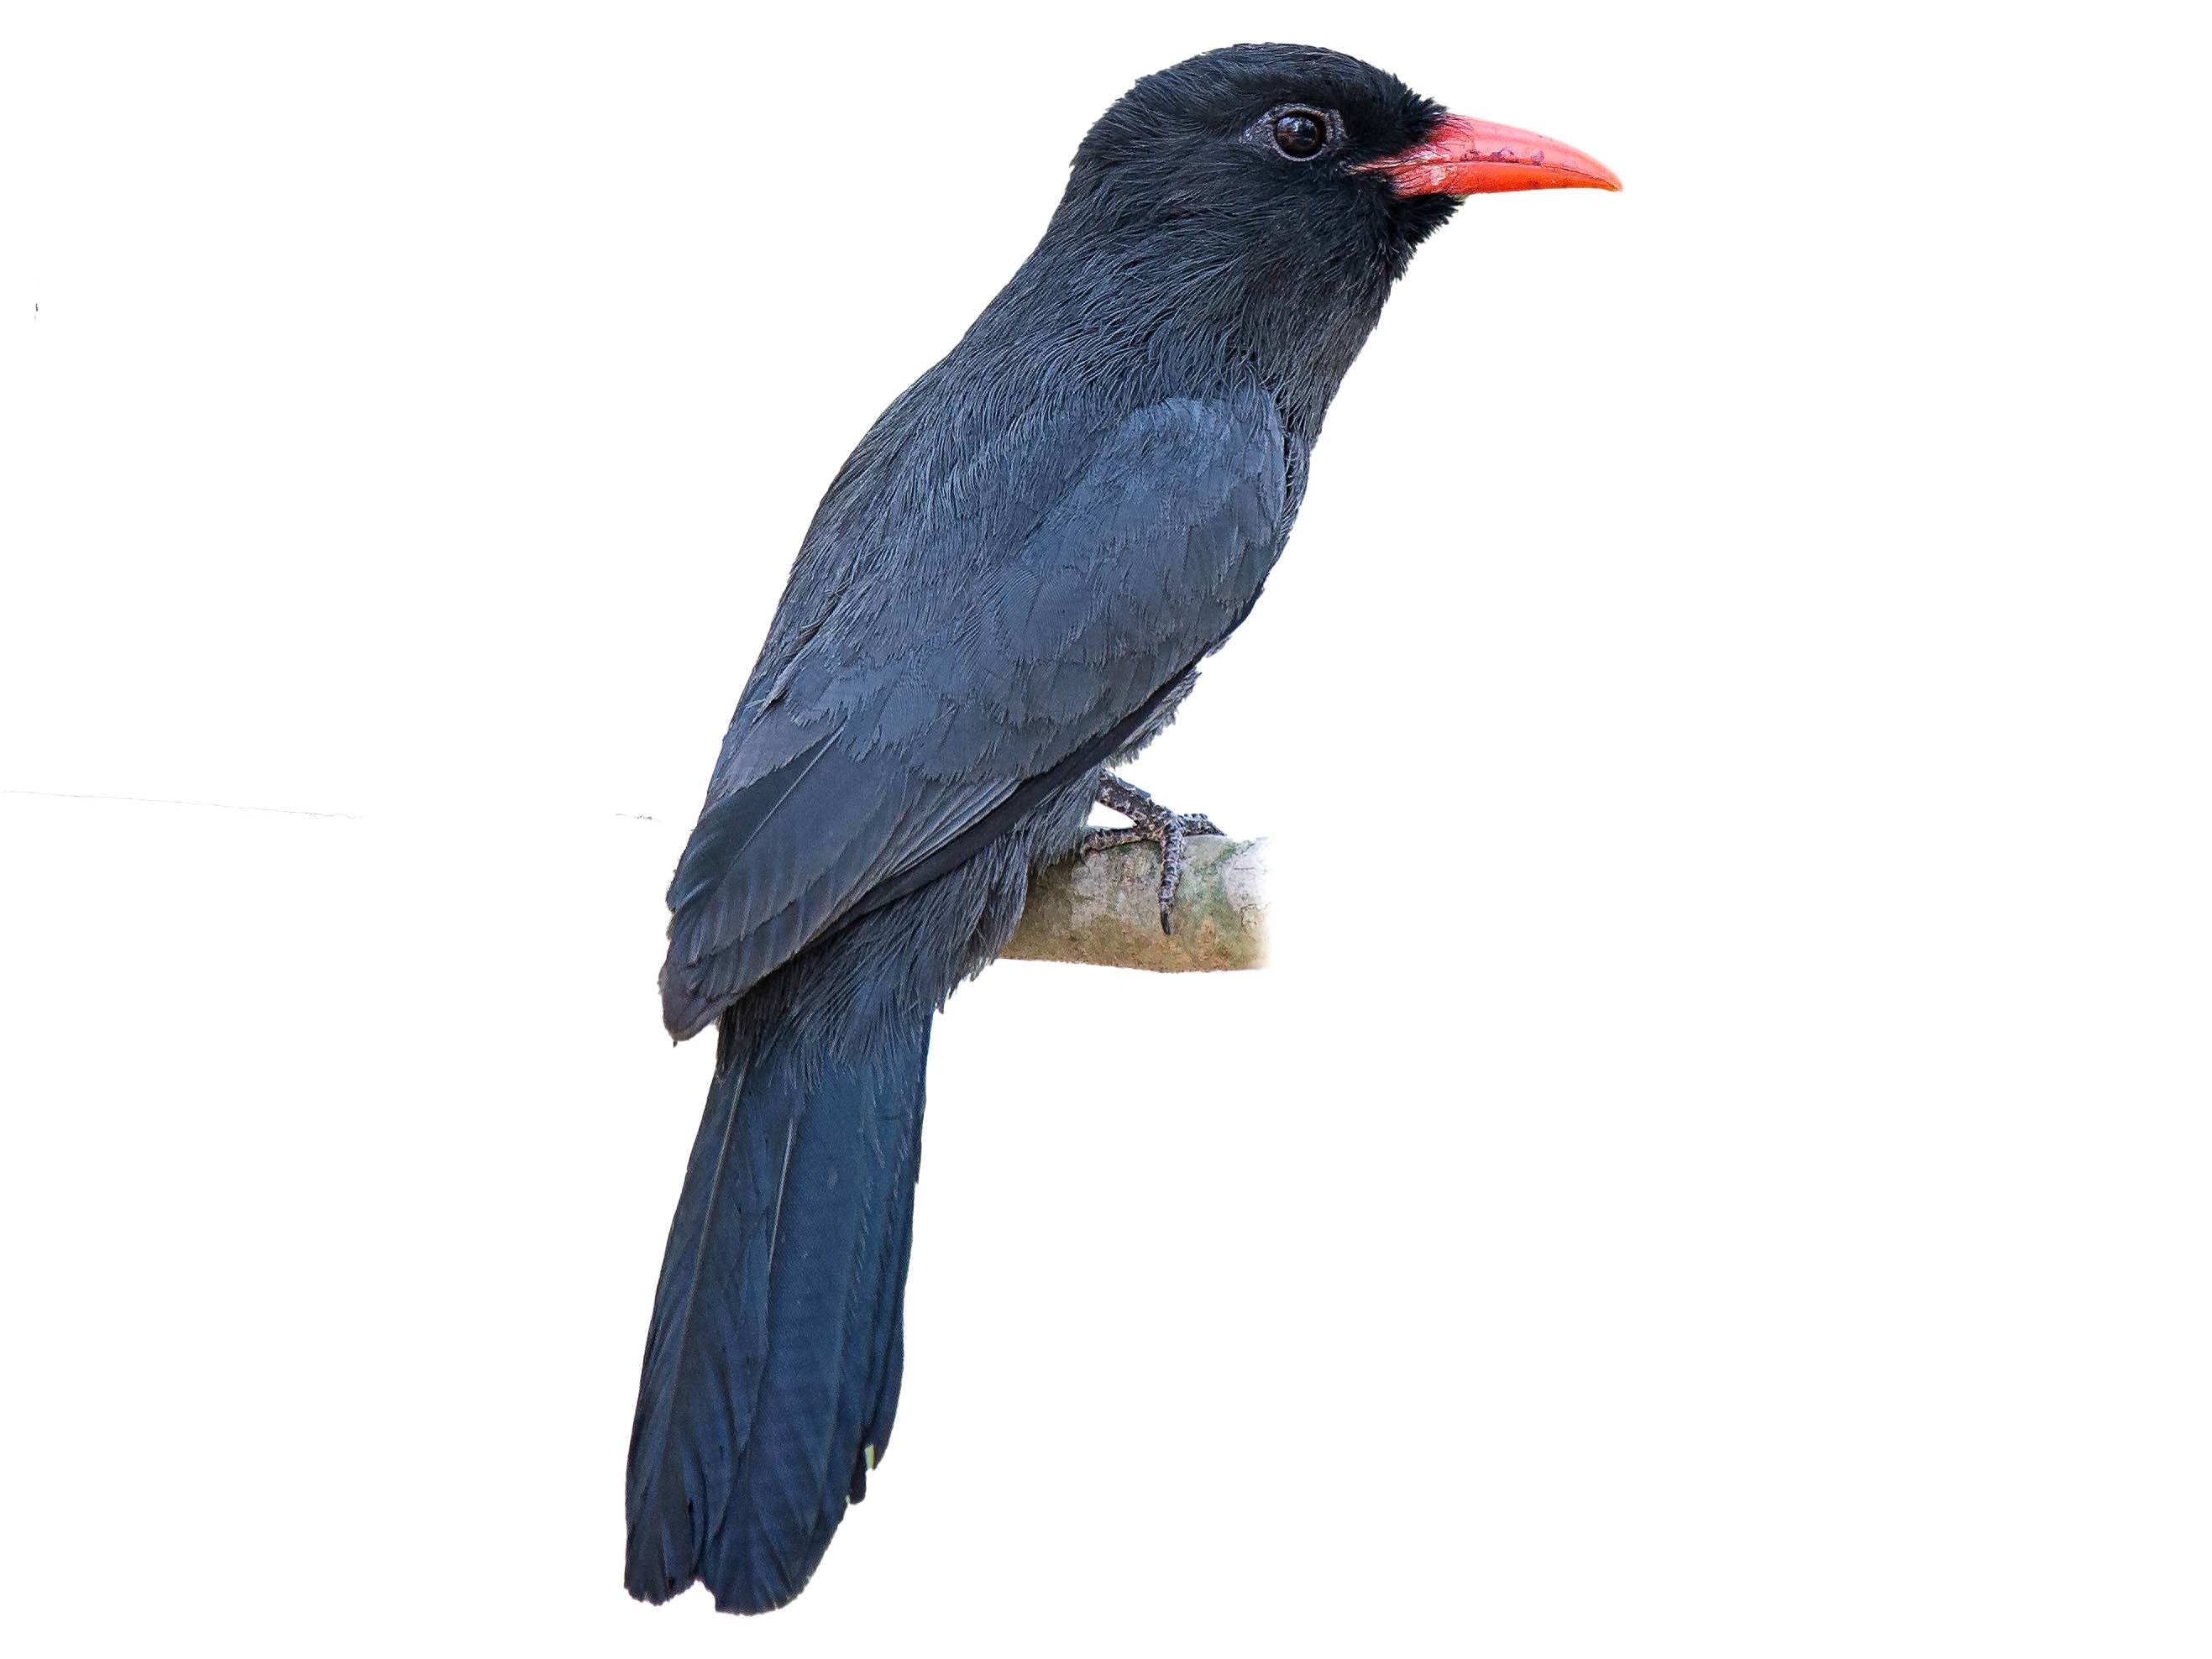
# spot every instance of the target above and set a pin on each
(1185, 197)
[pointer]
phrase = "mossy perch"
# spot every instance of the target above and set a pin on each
(1104, 908)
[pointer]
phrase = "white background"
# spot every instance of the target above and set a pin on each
(1720, 1167)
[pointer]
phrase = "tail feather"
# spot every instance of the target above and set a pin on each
(771, 1373)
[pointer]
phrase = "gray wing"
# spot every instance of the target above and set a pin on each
(940, 690)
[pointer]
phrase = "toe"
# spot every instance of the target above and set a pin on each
(1104, 840)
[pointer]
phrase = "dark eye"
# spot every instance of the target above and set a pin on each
(1300, 134)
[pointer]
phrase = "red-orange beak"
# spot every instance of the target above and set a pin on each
(1465, 157)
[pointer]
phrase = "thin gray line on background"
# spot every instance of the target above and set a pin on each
(233, 806)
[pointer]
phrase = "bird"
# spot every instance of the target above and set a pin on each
(1006, 591)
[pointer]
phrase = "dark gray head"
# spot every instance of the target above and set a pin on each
(1260, 200)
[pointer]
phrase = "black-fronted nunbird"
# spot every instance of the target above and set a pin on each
(1008, 589)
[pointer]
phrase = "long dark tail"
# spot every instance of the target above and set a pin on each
(772, 1369)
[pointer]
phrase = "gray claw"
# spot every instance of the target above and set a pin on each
(1149, 821)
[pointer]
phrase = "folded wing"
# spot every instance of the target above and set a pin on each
(950, 679)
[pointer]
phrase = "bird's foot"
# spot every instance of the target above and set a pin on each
(1148, 820)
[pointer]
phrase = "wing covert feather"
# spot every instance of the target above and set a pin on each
(892, 727)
